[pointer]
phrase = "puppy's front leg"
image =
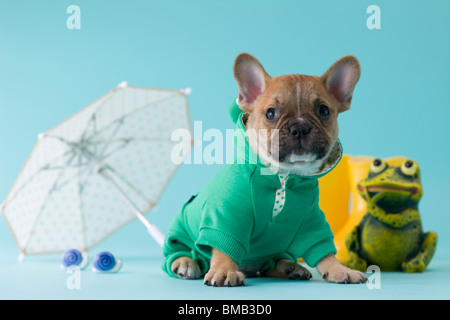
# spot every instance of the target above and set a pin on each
(332, 271)
(223, 271)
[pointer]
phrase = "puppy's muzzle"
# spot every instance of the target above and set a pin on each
(300, 129)
(304, 139)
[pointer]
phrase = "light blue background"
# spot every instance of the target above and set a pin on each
(400, 107)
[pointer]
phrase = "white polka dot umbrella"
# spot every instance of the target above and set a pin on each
(97, 170)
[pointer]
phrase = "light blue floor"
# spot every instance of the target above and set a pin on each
(40, 277)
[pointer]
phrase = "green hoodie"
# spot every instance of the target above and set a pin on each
(253, 215)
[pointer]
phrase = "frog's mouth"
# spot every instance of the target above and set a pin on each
(378, 189)
(391, 198)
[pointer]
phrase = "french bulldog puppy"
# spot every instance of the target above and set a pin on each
(298, 114)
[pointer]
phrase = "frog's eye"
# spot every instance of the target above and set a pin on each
(377, 165)
(409, 167)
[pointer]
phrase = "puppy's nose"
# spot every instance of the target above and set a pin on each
(300, 129)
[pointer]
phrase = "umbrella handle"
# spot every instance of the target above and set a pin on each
(156, 234)
(151, 228)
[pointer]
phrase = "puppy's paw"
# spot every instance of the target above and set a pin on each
(293, 271)
(223, 277)
(186, 268)
(342, 274)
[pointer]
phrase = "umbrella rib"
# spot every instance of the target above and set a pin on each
(81, 204)
(85, 166)
(129, 184)
(111, 136)
(89, 170)
(126, 140)
(111, 152)
(31, 178)
(131, 112)
(93, 123)
(93, 117)
(41, 209)
(75, 151)
(63, 167)
(102, 164)
(119, 122)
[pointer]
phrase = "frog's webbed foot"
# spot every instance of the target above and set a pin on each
(423, 257)
(414, 265)
(356, 262)
(353, 247)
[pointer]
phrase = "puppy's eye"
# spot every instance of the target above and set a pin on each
(271, 113)
(377, 166)
(324, 111)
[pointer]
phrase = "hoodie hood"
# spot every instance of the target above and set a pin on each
(245, 154)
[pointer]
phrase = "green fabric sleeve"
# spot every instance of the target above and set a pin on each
(314, 239)
(319, 251)
(226, 226)
(201, 262)
(227, 218)
(228, 244)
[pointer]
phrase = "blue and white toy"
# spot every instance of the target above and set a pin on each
(74, 257)
(105, 262)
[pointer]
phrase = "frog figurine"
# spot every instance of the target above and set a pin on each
(390, 233)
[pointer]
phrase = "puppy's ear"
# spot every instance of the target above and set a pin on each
(251, 80)
(341, 79)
